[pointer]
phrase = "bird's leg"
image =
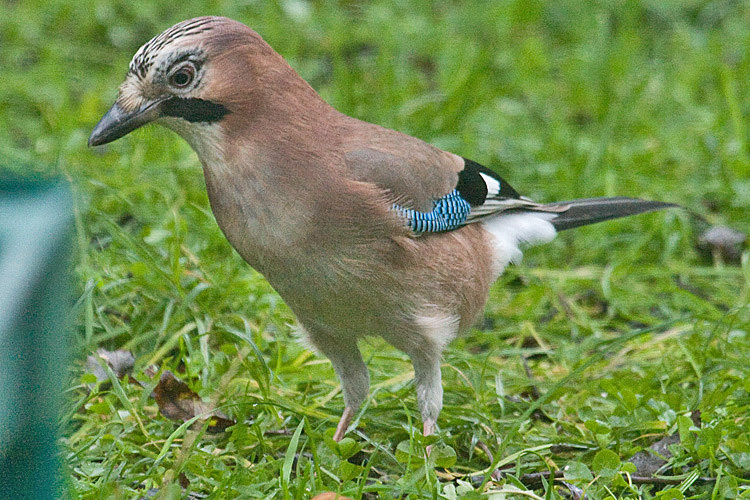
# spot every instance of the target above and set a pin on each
(428, 427)
(429, 384)
(425, 356)
(351, 370)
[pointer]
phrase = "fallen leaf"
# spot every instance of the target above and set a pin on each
(648, 461)
(183, 480)
(177, 401)
(120, 361)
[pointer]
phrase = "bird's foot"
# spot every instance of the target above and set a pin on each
(428, 429)
(344, 421)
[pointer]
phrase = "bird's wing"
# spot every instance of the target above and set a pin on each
(436, 191)
(414, 178)
(488, 194)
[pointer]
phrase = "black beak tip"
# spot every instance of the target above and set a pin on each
(102, 133)
(94, 140)
(116, 123)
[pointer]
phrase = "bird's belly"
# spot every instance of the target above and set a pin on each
(343, 306)
(390, 289)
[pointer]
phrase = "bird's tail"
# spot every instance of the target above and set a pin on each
(575, 213)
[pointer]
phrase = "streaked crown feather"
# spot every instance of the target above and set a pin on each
(145, 56)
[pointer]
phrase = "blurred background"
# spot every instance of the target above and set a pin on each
(564, 99)
(608, 92)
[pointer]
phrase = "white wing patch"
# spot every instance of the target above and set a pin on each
(493, 186)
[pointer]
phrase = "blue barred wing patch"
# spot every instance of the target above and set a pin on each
(448, 213)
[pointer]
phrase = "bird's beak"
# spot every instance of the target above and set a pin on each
(117, 122)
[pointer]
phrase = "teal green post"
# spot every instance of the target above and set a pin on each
(35, 240)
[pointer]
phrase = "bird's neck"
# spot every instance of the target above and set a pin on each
(257, 189)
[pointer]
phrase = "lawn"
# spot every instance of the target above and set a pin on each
(604, 347)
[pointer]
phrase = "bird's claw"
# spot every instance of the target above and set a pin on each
(343, 425)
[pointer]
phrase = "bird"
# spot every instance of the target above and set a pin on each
(362, 230)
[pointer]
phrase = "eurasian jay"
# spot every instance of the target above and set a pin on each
(362, 230)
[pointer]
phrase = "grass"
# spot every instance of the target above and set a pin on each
(626, 329)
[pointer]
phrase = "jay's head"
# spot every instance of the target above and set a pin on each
(193, 77)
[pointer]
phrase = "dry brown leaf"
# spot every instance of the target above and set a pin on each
(177, 401)
(649, 461)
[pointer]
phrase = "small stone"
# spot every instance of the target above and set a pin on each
(723, 242)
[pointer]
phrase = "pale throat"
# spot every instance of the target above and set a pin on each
(206, 139)
(251, 223)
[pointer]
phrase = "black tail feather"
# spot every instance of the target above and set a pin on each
(592, 210)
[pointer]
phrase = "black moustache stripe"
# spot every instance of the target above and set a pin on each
(194, 110)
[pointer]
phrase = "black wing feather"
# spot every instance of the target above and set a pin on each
(591, 210)
(473, 188)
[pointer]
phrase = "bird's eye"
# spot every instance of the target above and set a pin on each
(182, 77)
